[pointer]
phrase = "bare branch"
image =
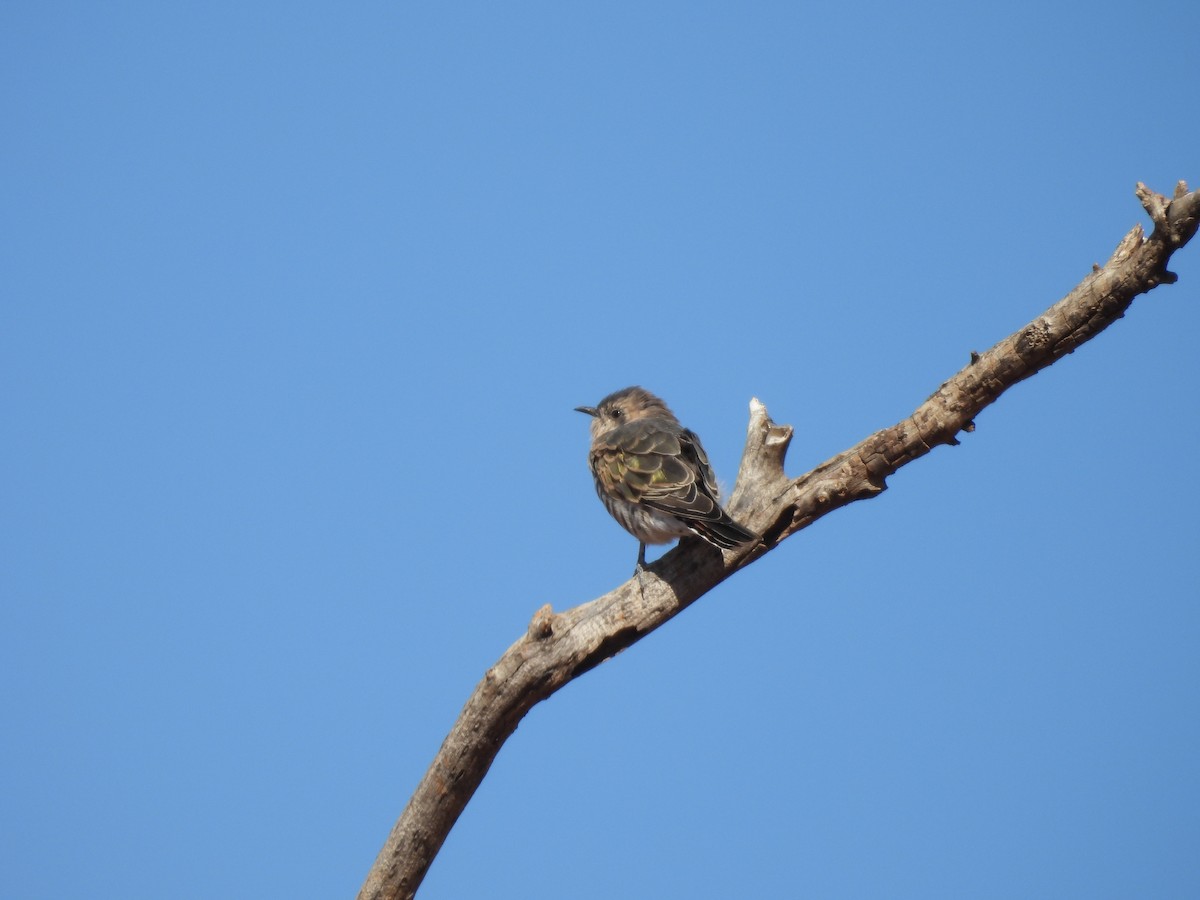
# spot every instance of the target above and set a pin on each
(559, 647)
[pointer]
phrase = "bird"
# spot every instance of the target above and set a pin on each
(653, 474)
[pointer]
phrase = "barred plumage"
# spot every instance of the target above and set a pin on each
(653, 474)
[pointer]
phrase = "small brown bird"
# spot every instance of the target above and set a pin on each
(654, 476)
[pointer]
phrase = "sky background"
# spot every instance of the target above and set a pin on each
(298, 300)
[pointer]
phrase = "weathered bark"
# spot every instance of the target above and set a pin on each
(561, 646)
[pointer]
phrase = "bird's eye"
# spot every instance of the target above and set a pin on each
(615, 413)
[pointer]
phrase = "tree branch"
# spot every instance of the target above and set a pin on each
(559, 647)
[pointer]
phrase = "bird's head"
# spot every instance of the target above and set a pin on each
(626, 405)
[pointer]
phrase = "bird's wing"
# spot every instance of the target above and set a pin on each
(697, 505)
(660, 465)
(693, 497)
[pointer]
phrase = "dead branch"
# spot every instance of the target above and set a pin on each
(558, 647)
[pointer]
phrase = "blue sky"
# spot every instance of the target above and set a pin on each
(298, 300)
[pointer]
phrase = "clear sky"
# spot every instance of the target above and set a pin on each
(298, 300)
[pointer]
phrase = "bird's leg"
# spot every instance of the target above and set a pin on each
(641, 564)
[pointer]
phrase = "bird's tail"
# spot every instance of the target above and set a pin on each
(724, 532)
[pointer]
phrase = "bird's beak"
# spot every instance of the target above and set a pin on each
(590, 410)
